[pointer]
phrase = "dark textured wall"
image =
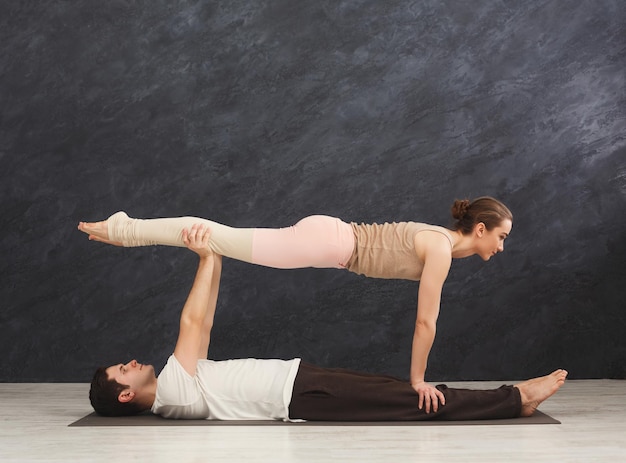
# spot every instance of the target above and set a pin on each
(259, 113)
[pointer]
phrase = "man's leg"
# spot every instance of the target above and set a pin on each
(340, 395)
(534, 391)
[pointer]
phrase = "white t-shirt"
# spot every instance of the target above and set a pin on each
(242, 389)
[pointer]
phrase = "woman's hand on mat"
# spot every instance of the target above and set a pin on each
(196, 238)
(429, 396)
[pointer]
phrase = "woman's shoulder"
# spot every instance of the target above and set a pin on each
(418, 227)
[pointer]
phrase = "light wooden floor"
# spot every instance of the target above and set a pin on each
(35, 417)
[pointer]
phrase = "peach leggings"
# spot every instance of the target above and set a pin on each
(315, 241)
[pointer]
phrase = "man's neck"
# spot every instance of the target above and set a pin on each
(148, 395)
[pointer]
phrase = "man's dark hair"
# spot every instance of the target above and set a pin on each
(103, 395)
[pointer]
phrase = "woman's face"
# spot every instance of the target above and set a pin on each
(491, 242)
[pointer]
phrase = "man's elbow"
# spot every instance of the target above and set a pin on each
(189, 321)
(425, 326)
(207, 326)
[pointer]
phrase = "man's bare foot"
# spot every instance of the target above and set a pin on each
(536, 390)
(97, 231)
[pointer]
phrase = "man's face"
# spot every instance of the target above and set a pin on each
(133, 374)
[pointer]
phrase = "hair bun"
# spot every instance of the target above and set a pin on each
(459, 208)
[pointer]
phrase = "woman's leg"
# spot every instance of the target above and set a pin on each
(315, 241)
(226, 241)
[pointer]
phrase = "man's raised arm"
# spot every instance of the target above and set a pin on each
(196, 319)
(207, 325)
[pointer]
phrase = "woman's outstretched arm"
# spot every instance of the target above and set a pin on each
(437, 261)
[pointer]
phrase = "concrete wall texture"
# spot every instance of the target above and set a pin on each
(260, 113)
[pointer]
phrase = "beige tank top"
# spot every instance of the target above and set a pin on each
(388, 250)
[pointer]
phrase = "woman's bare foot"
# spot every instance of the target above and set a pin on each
(536, 390)
(97, 231)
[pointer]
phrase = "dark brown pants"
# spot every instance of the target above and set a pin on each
(332, 394)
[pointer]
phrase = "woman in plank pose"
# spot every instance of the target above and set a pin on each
(403, 250)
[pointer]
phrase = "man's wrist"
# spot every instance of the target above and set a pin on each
(206, 258)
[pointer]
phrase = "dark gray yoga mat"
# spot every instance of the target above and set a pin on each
(148, 419)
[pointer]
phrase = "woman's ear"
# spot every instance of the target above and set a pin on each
(126, 396)
(479, 229)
